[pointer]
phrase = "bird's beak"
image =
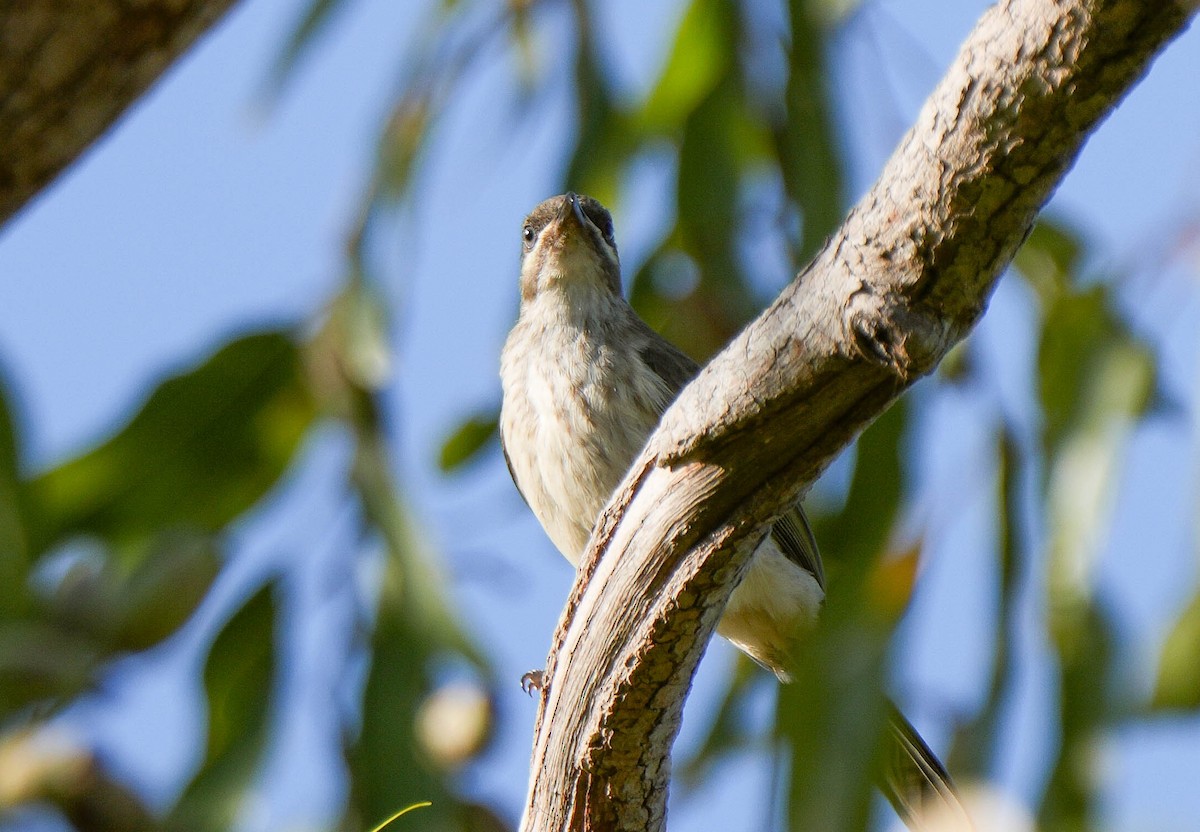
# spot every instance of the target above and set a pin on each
(572, 205)
(577, 209)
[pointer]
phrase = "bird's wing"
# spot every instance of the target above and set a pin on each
(791, 532)
(667, 362)
(795, 538)
(914, 781)
(511, 472)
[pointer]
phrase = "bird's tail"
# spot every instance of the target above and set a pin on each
(916, 783)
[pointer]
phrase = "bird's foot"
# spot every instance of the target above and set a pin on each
(533, 680)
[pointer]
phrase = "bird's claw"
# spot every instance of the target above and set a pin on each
(533, 680)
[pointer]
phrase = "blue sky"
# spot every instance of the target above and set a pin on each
(204, 213)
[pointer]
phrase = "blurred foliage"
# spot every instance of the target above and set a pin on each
(113, 551)
(1178, 683)
(413, 630)
(976, 743)
(841, 669)
(472, 435)
(117, 547)
(239, 678)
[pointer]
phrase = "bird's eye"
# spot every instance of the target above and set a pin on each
(527, 235)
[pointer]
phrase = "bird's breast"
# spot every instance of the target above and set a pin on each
(577, 410)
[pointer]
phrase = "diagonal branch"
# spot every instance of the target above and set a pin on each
(68, 68)
(903, 280)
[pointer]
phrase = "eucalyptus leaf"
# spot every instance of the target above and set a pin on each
(976, 743)
(1050, 258)
(388, 765)
(14, 557)
(1084, 637)
(833, 11)
(43, 663)
(807, 142)
(708, 196)
(1177, 686)
(205, 447)
(468, 440)
(605, 139)
(239, 680)
(304, 34)
(834, 714)
(1074, 327)
(1085, 467)
(403, 140)
(833, 717)
(164, 591)
(700, 56)
(126, 610)
(860, 532)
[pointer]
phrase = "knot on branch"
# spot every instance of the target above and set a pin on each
(888, 331)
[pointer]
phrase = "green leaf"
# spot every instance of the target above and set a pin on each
(1075, 326)
(833, 11)
(97, 611)
(605, 139)
(700, 57)
(711, 160)
(709, 178)
(1050, 259)
(1178, 682)
(808, 142)
(414, 628)
(1116, 377)
(43, 662)
(315, 18)
(1084, 469)
(1083, 472)
(473, 435)
(976, 743)
(833, 716)
(239, 673)
(388, 764)
(164, 591)
(10, 451)
(1088, 365)
(860, 532)
(522, 34)
(403, 140)
(128, 610)
(14, 556)
(202, 450)
(238, 682)
(1084, 638)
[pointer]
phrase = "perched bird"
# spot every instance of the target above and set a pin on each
(585, 381)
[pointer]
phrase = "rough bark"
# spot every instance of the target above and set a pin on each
(68, 68)
(904, 279)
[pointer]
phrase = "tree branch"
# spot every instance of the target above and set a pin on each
(68, 68)
(903, 280)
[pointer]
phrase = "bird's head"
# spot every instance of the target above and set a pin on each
(568, 244)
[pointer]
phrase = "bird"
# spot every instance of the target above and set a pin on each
(585, 381)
